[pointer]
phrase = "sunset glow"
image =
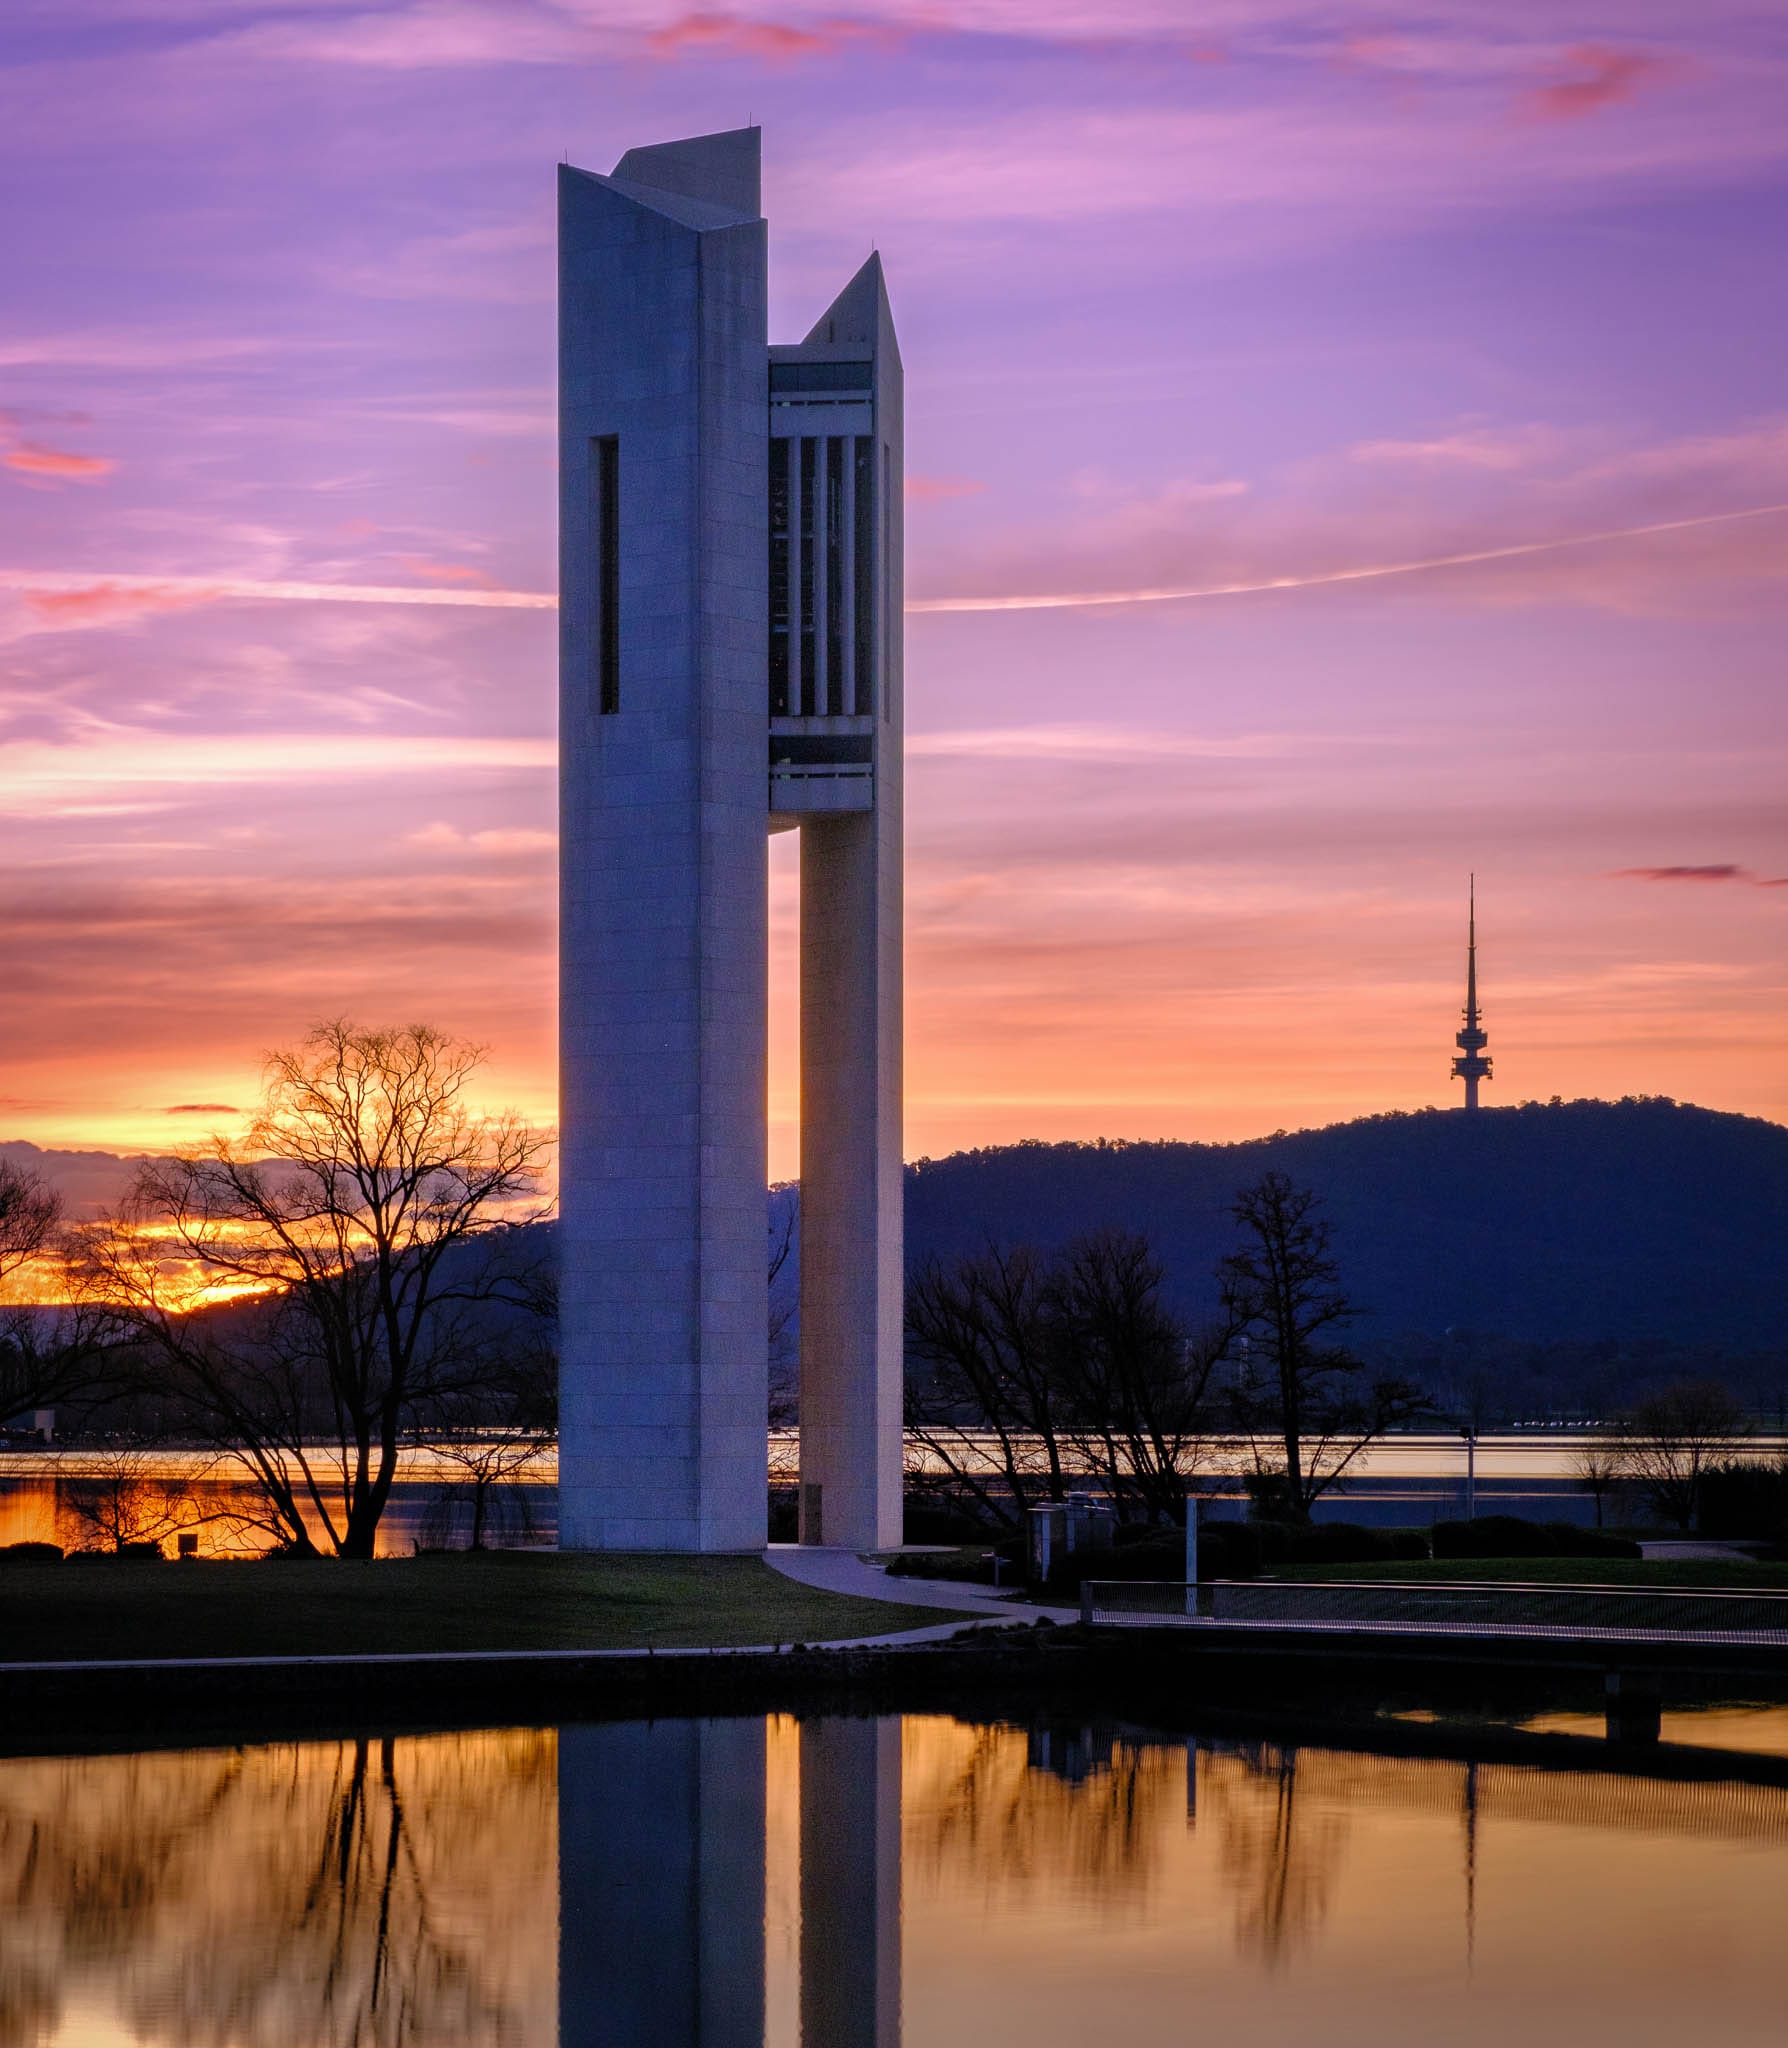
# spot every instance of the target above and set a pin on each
(1339, 461)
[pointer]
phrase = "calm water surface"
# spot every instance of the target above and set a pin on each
(853, 1884)
(1407, 1478)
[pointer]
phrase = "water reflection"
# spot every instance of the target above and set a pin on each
(842, 1883)
(365, 1892)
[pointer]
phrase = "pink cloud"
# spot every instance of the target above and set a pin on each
(1591, 76)
(925, 490)
(1466, 450)
(1713, 871)
(30, 458)
(773, 42)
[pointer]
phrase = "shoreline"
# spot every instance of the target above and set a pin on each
(1014, 1673)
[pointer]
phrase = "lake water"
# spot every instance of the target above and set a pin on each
(1415, 1478)
(856, 1883)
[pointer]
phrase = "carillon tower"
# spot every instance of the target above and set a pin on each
(1473, 1063)
(730, 666)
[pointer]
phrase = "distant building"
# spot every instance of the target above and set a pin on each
(1473, 1063)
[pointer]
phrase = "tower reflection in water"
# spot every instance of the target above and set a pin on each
(663, 1850)
(737, 1883)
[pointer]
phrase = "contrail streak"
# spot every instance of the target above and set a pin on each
(1362, 575)
(217, 589)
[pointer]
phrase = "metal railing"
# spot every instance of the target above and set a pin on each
(1462, 1607)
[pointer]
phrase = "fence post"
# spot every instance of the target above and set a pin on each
(1086, 1603)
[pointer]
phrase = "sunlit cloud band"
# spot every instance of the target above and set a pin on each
(217, 589)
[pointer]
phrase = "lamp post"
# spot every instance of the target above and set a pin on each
(1470, 1434)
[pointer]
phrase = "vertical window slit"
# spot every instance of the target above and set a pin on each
(605, 482)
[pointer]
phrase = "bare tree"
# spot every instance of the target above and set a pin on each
(346, 1218)
(785, 1368)
(988, 1410)
(1305, 1401)
(51, 1351)
(1601, 1463)
(117, 1497)
(1135, 1384)
(1047, 1370)
(30, 1215)
(488, 1471)
(488, 1432)
(1671, 1438)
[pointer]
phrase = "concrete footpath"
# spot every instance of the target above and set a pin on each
(849, 1571)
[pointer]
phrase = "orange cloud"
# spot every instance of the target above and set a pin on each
(102, 603)
(923, 490)
(1591, 76)
(446, 572)
(773, 42)
(32, 459)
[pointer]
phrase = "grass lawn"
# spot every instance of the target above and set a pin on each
(1565, 1571)
(515, 1600)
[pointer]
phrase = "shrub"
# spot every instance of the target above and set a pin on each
(1286, 1544)
(1228, 1550)
(1512, 1536)
(972, 1565)
(1745, 1497)
(927, 1522)
(30, 1553)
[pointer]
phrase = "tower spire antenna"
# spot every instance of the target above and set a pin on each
(1473, 1063)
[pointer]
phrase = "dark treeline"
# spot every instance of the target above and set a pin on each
(1635, 1224)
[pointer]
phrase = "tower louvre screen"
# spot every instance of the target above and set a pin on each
(779, 579)
(888, 619)
(835, 538)
(808, 705)
(863, 587)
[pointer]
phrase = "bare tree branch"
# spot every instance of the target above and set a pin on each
(343, 1220)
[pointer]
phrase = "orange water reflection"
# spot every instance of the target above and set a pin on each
(840, 1883)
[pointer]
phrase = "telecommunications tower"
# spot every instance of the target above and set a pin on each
(1473, 1063)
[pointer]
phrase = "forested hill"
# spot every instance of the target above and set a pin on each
(1580, 1221)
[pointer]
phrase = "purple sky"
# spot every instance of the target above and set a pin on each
(1190, 298)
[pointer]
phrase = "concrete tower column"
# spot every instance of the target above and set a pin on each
(730, 666)
(850, 1883)
(661, 1885)
(852, 1183)
(663, 863)
(851, 1180)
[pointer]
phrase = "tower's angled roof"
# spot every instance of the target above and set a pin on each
(704, 179)
(860, 313)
